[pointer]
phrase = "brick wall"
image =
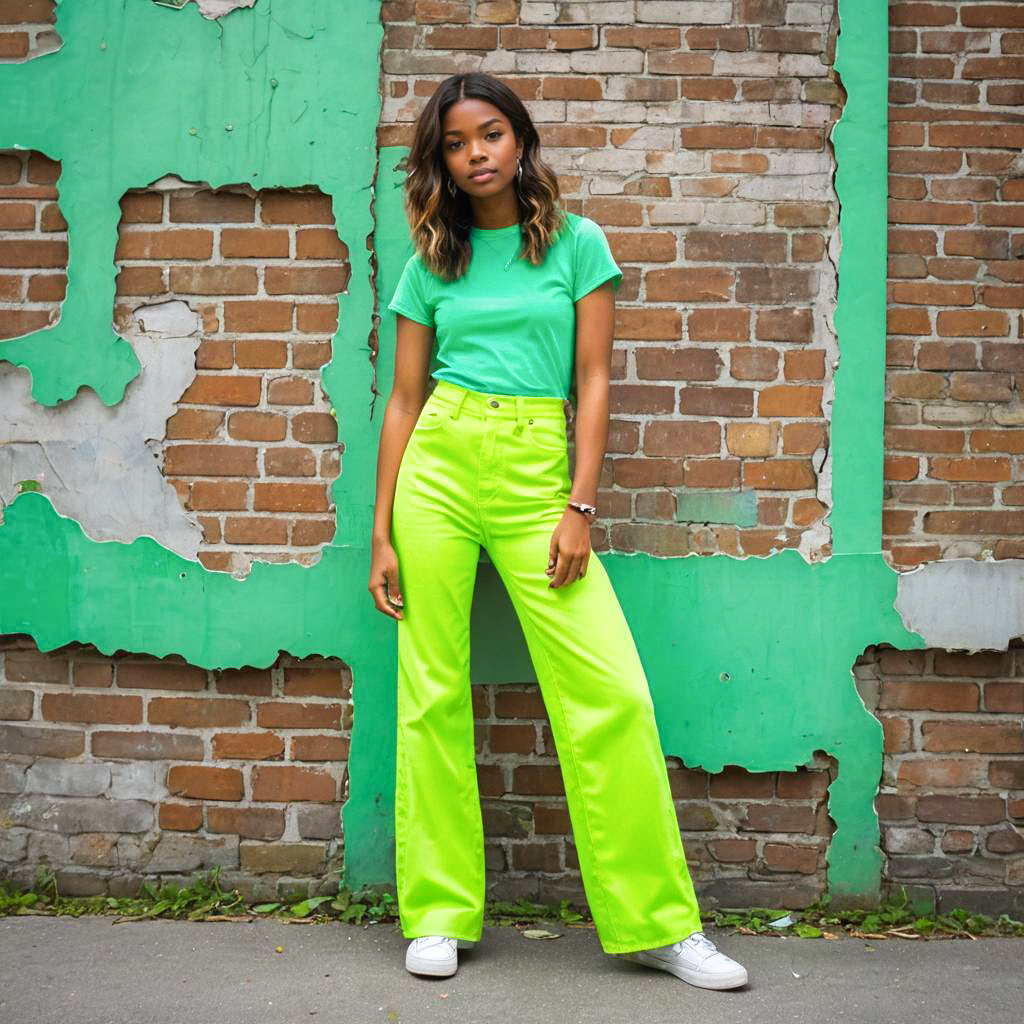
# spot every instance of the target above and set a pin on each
(253, 447)
(951, 799)
(702, 150)
(26, 29)
(123, 767)
(117, 768)
(33, 243)
(955, 422)
(749, 837)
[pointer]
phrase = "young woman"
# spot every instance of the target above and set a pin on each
(519, 295)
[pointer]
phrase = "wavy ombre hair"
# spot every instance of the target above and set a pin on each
(438, 221)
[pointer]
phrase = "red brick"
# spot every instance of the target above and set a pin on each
(91, 707)
(789, 400)
(979, 469)
(247, 746)
(197, 712)
(181, 817)
(784, 857)
(962, 810)
(779, 474)
(753, 363)
(716, 401)
(929, 696)
(288, 783)
(320, 748)
(681, 437)
(203, 782)
(778, 818)
(942, 773)
(317, 681)
(247, 822)
(981, 737)
(294, 715)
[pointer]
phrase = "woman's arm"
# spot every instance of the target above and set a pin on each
(569, 551)
(414, 342)
(595, 331)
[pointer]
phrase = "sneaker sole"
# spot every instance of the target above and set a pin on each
(431, 967)
(734, 979)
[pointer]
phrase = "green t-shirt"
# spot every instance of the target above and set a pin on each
(513, 331)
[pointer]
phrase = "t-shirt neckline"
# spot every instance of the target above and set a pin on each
(494, 232)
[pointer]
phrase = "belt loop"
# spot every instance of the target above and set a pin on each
(458, 405)
(519, 414)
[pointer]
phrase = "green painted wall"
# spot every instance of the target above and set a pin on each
(749, 660)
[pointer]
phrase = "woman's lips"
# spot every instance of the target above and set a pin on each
(484, 176)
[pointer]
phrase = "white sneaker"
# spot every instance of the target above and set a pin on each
(435, 955)
(695, 959)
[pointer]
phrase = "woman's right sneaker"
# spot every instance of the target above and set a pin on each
(436, 955)
(695, 959)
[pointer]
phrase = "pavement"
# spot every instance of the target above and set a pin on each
(90, 970)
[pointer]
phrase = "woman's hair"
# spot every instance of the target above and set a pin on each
(438, 221)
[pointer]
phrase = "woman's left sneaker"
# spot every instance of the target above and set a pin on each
(695, 959)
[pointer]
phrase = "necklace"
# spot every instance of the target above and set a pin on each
(515, 252)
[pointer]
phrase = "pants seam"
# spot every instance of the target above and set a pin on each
(542, 646)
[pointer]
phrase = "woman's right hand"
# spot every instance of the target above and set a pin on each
(384, 580)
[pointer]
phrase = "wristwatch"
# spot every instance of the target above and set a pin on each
(588, 510)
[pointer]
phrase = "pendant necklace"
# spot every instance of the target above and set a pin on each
(514, 255)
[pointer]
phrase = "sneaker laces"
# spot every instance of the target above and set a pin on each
(699, 941)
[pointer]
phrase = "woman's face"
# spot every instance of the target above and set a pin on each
(476, 138)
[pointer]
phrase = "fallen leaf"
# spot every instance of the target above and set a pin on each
(539, 933)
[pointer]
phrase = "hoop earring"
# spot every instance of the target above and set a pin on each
(519, 170)
(451, 188)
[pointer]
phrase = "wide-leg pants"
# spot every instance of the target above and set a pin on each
(492, 470)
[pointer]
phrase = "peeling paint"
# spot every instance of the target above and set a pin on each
(218, 8)
(96, 463)
(208, 8)
(964, 604)
(133, 93)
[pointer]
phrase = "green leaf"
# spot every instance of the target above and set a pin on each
(303, 908)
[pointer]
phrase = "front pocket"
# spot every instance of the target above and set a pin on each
(548, 435)
(431, 418)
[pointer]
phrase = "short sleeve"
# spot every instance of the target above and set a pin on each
(594, 261)
(410, 297)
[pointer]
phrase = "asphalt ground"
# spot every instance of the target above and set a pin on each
(90, 970)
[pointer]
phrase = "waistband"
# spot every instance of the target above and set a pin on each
(488, 405)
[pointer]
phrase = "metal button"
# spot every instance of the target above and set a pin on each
(494, 403)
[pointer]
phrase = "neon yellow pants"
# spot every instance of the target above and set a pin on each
(492, 470)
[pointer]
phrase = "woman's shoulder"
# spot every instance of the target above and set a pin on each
(580, 226)
(416, 266)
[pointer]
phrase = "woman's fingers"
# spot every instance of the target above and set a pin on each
(379, 592)
(566, 569)
(394, 586)
(385, 602)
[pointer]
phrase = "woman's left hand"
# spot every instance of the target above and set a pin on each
(569, 550)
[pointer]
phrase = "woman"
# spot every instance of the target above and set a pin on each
(519, 295)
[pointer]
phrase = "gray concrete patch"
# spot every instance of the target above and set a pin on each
(964, 604)
(100, 465)
(91, 971)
